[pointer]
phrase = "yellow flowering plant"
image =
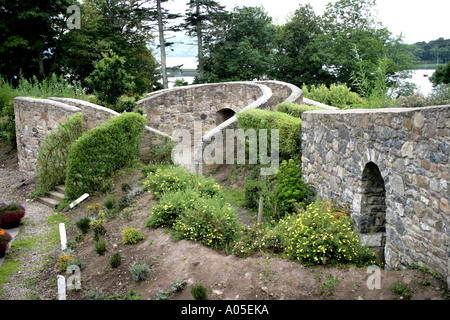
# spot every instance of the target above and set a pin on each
(321, 235)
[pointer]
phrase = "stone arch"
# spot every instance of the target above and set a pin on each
(372, 218)
(223, 115)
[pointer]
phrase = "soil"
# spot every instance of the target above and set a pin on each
(226, 277)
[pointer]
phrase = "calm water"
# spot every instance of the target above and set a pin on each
(424, 84)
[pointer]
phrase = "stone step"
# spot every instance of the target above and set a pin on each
(48, 201)
(56, 195)
(61, 189)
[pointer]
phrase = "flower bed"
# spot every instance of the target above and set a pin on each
(5, 238)
(11, 215)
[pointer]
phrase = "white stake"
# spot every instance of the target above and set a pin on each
(62, 234)
(61, 287)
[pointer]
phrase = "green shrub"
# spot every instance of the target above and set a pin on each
(161, 153)
(294, 109)
(291, 189)
(98, 225)
(100, 245)
(338, 96)
(109, 203)
(209, 221)
(199, 292)
(83, 224)
(110, 80)
(289, 129)
(115, 260)
(139, 271)
(255, 239)
(131, 235)
(173, 178)
(321, 235)
(171, 206)
(96, 155)
(251, 190)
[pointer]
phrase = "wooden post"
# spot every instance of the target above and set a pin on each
(260, 209)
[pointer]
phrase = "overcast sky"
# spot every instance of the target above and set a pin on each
(416, 20)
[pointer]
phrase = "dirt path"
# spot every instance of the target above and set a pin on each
(24, 264)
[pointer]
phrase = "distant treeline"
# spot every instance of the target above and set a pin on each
(433, 52)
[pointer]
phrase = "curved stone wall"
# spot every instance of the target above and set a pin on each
(36, 118)
(180, 107)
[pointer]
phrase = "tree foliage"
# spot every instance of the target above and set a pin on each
(241, 46)
(110, 80)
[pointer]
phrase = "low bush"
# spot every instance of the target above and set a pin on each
(339, 96)
(139, 271)
(131, 235)
(96, 155)
(52, 157)
(11, 215)
(289, 129)
(161, 153)
(173, 178)
(322, 235)
(171, 206)
(100, 245)
(83, 224)
(209, 221)
(63, 261)
(294, 109)
(98, 225)
(115, 260)
(199, 292)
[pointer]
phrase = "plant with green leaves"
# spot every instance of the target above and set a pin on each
(291, 189)
(139, 271)
(52, 157)
(289, 129)
(110, 80)
(96, 155)
(294, 109)
(131, 235)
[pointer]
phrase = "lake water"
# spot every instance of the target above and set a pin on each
(423, 83)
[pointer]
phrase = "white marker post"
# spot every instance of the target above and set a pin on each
(62, 234)
(61, 287)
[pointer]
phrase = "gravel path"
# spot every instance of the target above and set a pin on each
(22, 283)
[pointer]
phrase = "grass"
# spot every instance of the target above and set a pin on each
(20, 247)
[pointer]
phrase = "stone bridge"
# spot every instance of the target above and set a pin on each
(391, 166)
(212, 104)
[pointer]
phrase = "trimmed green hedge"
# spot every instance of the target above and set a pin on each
(52, 158)
(290, 129)
(95, 156)
(294, 109)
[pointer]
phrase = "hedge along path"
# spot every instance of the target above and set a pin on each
(52, 157)
(290, 129)
(95, 156)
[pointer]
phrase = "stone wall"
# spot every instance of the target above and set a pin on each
(180, 107)
(391, 166)
(36, 118)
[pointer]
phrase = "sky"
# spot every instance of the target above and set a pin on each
(415, 20)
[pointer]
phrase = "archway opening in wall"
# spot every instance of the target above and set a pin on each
(223, 115)
(372, 224)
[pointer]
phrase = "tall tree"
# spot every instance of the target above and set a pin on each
(120, 25)
(351, 26)
(28, 35)
(240, 47)
(200, 15)
(298, 58)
